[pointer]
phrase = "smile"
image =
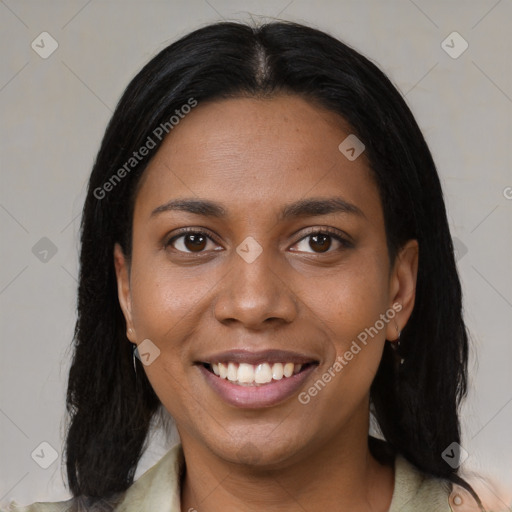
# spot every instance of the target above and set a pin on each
(254, 380)
(245, 374)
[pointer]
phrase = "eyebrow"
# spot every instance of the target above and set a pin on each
(197, 206)
(302, 208)
(319, 206)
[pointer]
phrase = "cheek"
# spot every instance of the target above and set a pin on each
(352, 299)
(366, 320)
(162, 300)
(163, 312)
(351, 306)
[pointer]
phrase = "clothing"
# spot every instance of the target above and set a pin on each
(157, 490)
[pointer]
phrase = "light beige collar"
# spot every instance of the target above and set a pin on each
(159, 488)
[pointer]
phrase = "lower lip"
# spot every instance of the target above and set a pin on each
(252, 397)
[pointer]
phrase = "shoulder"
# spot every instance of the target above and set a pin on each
(157, 489)
(61, 506)
(417, 492)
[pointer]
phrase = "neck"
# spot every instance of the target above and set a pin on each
(340, 474)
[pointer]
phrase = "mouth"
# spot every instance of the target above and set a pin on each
(253, 380)
(245, 374)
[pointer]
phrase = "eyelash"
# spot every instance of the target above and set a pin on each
(190, 231)
(333, 233)
(323, 231)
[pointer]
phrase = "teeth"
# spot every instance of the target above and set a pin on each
(247, 374)
(277, 371)
(223, 371)
(288, 369)
(232, 372)
(263, 374)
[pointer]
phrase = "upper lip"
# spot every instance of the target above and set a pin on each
(257, 357)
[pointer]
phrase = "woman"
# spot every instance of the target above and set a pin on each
(265, 223)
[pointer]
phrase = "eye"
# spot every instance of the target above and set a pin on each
(320, 242)
(192, 242)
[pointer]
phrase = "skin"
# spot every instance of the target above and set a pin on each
(255, 156)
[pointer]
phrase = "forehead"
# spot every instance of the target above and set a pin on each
(257, 154)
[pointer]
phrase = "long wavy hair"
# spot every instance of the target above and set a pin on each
(415, 404)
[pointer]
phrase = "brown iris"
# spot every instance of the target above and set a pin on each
(195, 242)
(320, 243)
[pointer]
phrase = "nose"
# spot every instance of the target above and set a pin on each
(254, 295)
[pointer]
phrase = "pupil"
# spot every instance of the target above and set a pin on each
(320, 243)
(195, 242)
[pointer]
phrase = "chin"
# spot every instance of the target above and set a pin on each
(260, 451)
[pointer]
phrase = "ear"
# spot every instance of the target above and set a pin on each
(402, 287)
(123, 289)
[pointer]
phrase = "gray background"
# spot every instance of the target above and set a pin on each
(54, 112)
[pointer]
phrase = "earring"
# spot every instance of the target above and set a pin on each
(134, 349)
(396, 345)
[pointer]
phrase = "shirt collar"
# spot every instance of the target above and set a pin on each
(159, 488)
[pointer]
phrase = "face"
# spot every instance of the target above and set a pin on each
(260, 275)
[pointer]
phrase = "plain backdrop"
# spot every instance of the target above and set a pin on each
(53, 114)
